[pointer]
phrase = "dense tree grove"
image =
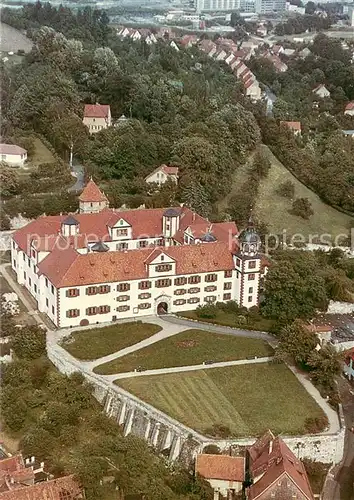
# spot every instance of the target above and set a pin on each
(299, 283)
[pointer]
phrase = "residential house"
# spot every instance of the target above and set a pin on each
(289, 52)
(225, 474)
(174, 45)
(306, 52)
(13, 155)
(26, 480)
(275, 471)
(270, 99)
(97, 117)
(295, 127)
(277, 50)
(349, 109)
(349, 364)
(100, 266)
(279, 65)
(188, 41)
(161, 174)
(321, 91)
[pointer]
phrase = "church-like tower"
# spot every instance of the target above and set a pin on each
(248, 266)
(92, 200)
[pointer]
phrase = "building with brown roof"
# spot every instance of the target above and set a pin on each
(12, 155)
(295, 127)
(224, 473)
(162, 174)
(25, 480)
(275, 472)
(102, 266)
(97, 117)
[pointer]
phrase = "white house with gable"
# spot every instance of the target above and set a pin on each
(13, 155)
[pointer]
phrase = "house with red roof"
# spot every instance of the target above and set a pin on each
(26, 480)
(162, 174)
(349, 109)
(102, 264)
(97, 117)
(224, 473)
(275, 472)
(295, 127)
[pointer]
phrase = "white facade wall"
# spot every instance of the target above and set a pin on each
(91, 207)
(222, 487)
(94, 125)
(160, 178)
(156, 296)
(16, 160)
(349, 112)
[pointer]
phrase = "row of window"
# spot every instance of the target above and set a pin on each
(92, 311)
(251, 263)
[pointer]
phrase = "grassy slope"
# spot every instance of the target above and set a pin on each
(248, 399)
(97, 342)
(188, 348)
(273, 209)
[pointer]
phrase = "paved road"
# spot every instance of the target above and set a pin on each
(331, 414)
(188, 368)
(78, 172)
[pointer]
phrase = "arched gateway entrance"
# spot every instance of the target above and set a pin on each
(162, 308)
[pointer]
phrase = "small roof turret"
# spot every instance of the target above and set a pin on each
(208, 238)
(70, 221)
(100, 247)
(172, 212)
(250, 234)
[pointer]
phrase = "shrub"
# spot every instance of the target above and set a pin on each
(316, 424)
(207, 311)
(211, 449)
(29, 342)
(302, 208)
(219, 431)
(286, 189)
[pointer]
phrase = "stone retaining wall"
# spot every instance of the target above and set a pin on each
(173, 438)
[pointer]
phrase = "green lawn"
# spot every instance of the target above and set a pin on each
(191, 347)
(231, 319)
(247, 399)
(325, 219)
(98, 342)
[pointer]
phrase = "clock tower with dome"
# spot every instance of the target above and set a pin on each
(248, 266)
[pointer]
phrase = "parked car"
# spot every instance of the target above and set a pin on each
(208, 362)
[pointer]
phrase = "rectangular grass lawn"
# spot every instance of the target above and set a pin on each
(249, 399)
(190, 347)
(97, 342)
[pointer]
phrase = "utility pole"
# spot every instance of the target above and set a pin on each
(71, 154)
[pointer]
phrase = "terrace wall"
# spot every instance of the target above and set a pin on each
(174, 439)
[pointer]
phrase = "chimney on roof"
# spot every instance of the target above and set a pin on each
(193, 217)
(270, 446)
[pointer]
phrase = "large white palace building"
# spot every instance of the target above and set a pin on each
(101, 264)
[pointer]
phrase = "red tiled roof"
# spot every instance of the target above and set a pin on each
(56, 489)
(349, 106)
(11, 149)
(274, 459)
(349, 355)
(69, 268)
(292, 125)
(93, 227)
(96, 111)
(92, 193)
(12, 464)
(221, 467)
